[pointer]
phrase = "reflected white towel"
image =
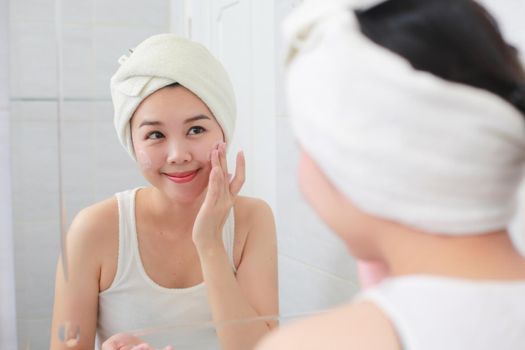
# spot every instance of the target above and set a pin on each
(162, 60)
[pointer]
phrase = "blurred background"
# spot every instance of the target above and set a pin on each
(59, 152)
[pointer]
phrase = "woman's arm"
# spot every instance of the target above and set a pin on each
(253, 291)
(249, 294)
(76, 299)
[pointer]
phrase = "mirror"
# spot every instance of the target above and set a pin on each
(59, 153)
(57, 112)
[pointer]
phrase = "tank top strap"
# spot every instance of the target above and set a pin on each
(127, 241)
(228, 237)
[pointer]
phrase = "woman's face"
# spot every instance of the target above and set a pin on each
(352, 225)
(173, 132)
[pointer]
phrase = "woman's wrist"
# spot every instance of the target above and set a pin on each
(209, 248)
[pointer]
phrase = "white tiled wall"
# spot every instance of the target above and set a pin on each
(32, 59)
(7, 287)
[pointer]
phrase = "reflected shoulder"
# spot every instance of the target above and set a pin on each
(253, 209)
(355, 326)
(255, 226)
(93, 223)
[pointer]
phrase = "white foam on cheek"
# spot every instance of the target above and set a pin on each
(144, 160)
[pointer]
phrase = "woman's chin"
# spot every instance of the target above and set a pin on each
(184, 196)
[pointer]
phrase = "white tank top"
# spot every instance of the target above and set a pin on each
(178, 317)
(434, 313)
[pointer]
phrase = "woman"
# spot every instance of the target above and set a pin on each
(411, 119)
(186, 250)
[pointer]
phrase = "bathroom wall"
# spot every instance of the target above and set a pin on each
(7, 287)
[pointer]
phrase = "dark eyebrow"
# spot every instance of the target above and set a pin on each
(149, 122)
(189, 120)
(197, 117)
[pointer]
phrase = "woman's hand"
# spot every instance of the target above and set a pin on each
(125, 341)
(220, 197)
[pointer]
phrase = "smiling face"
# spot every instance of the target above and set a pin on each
(173, 132)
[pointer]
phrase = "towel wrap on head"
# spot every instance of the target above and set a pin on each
(401, 144)
(162, 60)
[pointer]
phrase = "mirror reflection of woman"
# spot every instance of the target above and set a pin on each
(187, 249)
(410, 115)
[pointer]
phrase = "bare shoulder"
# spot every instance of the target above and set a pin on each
(251, 210)
(254, 226)
(94, 230)
(355, 326)
(254, 222)
(95, 220)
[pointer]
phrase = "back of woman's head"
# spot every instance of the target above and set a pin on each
(456, 40)
(412, 109)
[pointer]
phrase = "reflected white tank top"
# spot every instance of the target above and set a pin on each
(134, 302)
(434, 313)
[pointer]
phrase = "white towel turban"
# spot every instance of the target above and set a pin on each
(162, 60)
(401, 144)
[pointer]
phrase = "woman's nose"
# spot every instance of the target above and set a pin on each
(178, 152)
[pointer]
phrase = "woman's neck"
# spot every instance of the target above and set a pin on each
(483, 256)
(167, 212)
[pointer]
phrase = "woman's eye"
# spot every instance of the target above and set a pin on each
(194, 130)
(155, 135)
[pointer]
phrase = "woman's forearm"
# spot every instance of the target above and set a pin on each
(228, 304)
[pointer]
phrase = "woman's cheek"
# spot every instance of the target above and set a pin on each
(205, 151)
(144, 160)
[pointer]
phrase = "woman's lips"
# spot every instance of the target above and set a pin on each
(182, 177)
